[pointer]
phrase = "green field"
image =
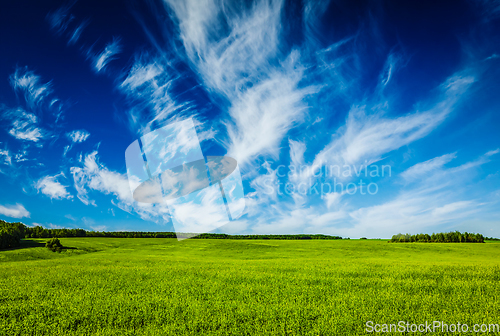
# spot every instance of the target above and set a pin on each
(113, 286)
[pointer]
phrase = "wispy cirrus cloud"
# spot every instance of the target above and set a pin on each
(77, 32)
(25, 126)
(492, 152)
(34, 103)
(60, 19)
(21, 156)
(230, 60)
(243, 63)
(442, 197)
(366, 137)
(51, 187)
(94, 176)
(265, 90)
(440, 201)
(78, 136)
(14, 211)
(101, 60)
(424, 168)
(263, 114)
(149, 86)
(6, 156)
(312, 14)
(31, 86)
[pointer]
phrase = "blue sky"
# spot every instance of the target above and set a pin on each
(352, 118)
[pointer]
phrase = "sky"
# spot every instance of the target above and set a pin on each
(350, 118)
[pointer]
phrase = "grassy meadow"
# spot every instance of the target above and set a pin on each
(148, 286)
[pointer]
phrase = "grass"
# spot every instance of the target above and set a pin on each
(113, 286)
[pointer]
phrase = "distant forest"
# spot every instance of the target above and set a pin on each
(447, 237)
(40, 232)
(12, 233)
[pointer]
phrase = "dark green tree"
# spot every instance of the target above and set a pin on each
(54, 244)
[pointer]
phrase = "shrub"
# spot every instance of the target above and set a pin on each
(362, 238)
(54, 245)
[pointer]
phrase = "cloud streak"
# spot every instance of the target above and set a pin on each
(94, 176)
(14, 211)
(30, 85)
(51, 187)
(25, 126)
(244, 65)
(78, 136)
(107, 55)
(427, 167)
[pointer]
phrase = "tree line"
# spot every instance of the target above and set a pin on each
(442, 237)
(11, 234)
(277, 237)
(40, 232)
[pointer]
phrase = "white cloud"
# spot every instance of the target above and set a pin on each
(263, 114)
(244, 65)
(412, 212)
(49, 186)
(228, 63)
(201, 211)
(265, 185)
(142, 74)
(14, 211)
(332, 198)
(366, 138)
(66, 149)
(95, 176)
(78, 136)
(31, 86)
(107, 55)
(442, 199)
(149, 83)
(297, 150)
(241, 59)
(423, 168)
(70, 217)
(6, 157)
(451, 207)
(25, 126)
(21, 156)
(390, 68)
(493, 152)
(207, 134)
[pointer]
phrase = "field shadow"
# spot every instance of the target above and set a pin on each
(27, 243)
